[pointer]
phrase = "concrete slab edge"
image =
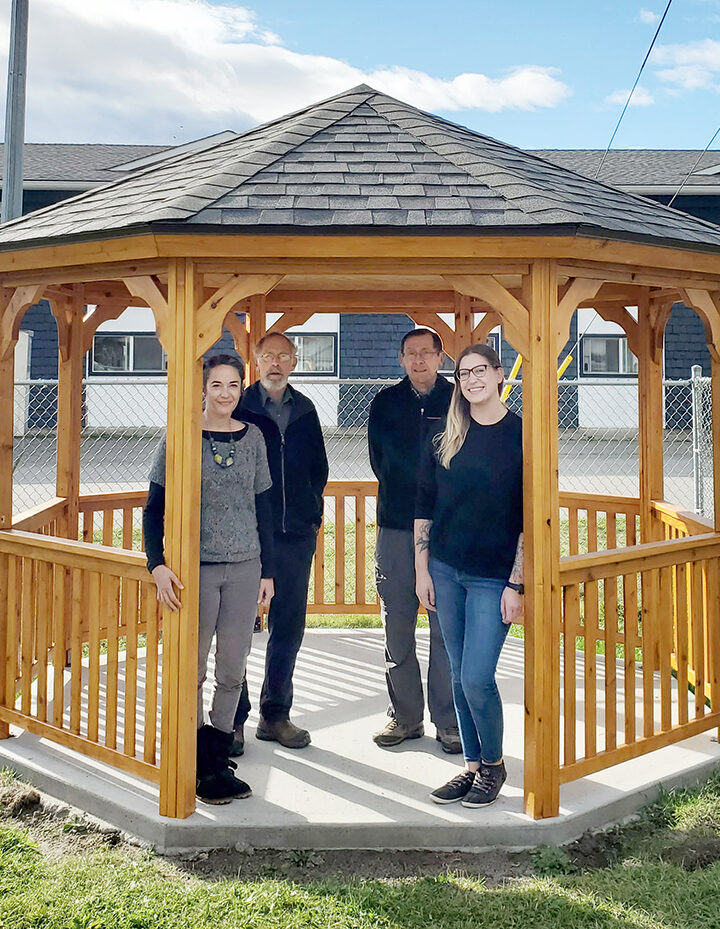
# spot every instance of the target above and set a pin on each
(173, 836)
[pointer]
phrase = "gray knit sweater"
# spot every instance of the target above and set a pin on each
(228, 522)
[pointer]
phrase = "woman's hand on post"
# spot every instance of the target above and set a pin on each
(164, 579)
(511, 606)
(425, 589)
(266, 591)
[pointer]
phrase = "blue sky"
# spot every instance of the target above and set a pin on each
(536, 74)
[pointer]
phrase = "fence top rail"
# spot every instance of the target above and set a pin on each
(594, 566)
(119, 562)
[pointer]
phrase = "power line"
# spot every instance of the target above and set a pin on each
(692, 170)
(627, 102)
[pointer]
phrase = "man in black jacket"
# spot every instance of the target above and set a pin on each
(400, 418)
(299, 472)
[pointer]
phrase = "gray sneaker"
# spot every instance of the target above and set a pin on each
(283, 731)
(395, 732)
(486, 786)
(449, 740)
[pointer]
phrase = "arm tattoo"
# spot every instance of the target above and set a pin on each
(422, 542)
(516, 575)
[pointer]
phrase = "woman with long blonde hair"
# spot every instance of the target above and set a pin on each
(469, 559)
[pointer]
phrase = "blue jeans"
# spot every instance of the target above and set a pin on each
(468, 608)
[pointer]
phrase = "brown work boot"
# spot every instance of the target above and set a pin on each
(282, 731)
(449, 739)
(396, 732)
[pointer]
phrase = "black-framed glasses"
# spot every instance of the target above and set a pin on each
(479, 371)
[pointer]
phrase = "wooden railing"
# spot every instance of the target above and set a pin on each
(71, 617)
(678, 523)
(641, 633)
(42, 518)
(597, 522)
(113, 519)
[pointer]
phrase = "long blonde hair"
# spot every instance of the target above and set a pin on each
(449, 442)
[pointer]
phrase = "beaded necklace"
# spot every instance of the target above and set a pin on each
(222, 461)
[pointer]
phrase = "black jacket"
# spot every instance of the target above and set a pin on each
(298, 463)
(397, 428)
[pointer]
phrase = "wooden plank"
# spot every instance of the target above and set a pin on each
(573, 530)
(682, 579)
(37, 517)
(592, 536)
(571, 628)
(69, 410)
(360, 550)
(715, 400)
(697, 613)
(650, 418)
(42, 630)
(665, 643)
(93, 698)
(111, 609)
(81, 745)
(610, 530)
(27, 633)
(319, 565)
(340, 549)
(113, 501)
(649, 587)
(541, 539)
(605, 502)
(597, 565)
(60, 589)
(6, 647)
(127, 527)
(78, 582)
(610, 601)
(211, 313)
(351, 609)
(514, 313)
(591, 632)
(73, 554)
(149, 618)
(604, 760)
(108, 527)
(712, 617)
(677, 517)
(88, 526)
(630, 642)
(129, 599)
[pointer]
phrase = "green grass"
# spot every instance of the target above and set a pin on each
(125, 888)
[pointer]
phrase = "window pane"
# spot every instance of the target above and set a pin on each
(316, 353)
(149, 354)
(111, 353)
(629, 361)
(601, 356)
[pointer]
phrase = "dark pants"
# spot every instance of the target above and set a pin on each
(286, 626)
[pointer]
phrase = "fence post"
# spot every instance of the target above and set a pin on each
(696, 374)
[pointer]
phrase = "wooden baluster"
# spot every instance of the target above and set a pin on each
(631, 641)
(149, 618)
(682, 577)
(43, 625)
(665, 643)
(571, 629)
(93, 699)
(10, 663)
(6, 646)
(610, 601)
(88, 519)
(713, 629)
(27, 634)
(592, 537)
(339, 549)
(111, 607)
(60, 588)
(319, 566)
(79, 584)
(649, 592)
(611, 530)
(591, 635)
(108, 527)
(127, 527)
(631, 535)
(130, 594)
(573, 530)
(698, 651)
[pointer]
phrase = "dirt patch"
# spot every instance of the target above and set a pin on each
(694, 854)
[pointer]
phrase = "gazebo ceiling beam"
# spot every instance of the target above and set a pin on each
(642, 276)
(85, 274)
(149, 291)
(13, 305)
(488, 288)
(432, 321)
(617, 313)
(707, 306)
(575, 292)
(212, 312)
(103, 312)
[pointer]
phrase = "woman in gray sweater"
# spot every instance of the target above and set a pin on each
(236, 563)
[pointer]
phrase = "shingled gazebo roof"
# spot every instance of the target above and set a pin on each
(360, 162)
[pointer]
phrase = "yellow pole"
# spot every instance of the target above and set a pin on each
(516, 370)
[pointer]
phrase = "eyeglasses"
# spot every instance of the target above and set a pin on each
(478, 371)
(269, 357)
(424, 354)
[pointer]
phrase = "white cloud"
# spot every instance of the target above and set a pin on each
(171, 70)
(648, 17)
(641, 97)
(693, 66)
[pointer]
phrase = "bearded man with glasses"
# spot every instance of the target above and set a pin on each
(299, 471)
(400, 419)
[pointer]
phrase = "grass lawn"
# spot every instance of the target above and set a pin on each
(663, 870)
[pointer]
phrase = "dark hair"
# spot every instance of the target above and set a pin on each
(216, 360)
(436, 340)
(487, 352)
(270, 335)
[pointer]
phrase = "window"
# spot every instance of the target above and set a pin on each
(607, 354)
(316, 352)
(117, 353)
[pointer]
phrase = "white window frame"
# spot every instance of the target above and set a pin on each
(131, 371)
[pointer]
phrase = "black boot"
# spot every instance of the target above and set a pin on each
(215, 782)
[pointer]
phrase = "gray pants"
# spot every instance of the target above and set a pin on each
(395, 580)
(228, 607)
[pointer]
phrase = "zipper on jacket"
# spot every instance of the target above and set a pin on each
(282, 476)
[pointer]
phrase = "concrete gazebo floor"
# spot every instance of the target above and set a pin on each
(345, 792)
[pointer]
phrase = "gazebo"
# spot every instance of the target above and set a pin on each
(361, 204)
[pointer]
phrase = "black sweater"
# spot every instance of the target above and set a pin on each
(398, 426)
(476, 506)
(298, 462)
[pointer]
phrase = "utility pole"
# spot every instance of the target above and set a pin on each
(15, 112)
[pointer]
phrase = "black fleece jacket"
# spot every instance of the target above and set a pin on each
(397, 428)
(298, 462)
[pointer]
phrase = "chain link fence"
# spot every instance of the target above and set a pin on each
(598, 437)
